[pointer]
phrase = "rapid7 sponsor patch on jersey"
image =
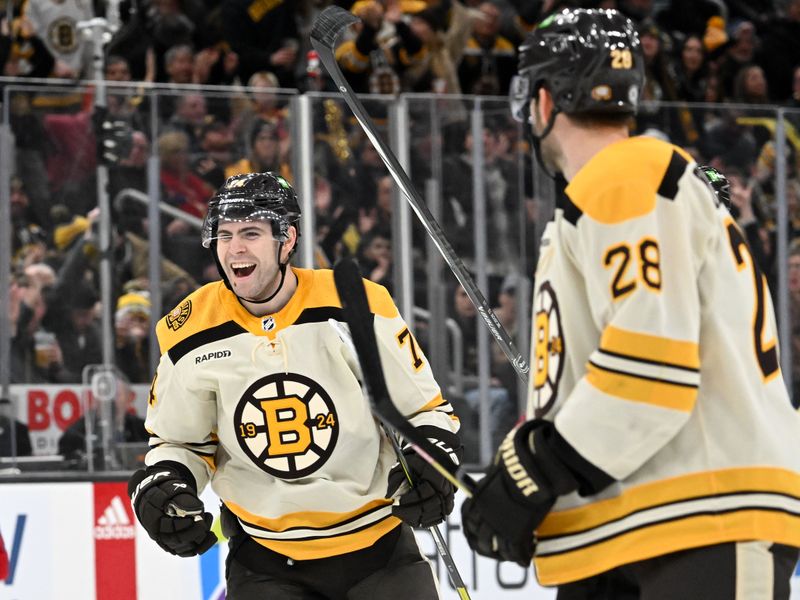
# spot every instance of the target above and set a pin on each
(212, 356)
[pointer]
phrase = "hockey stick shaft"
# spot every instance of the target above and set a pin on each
(441, 545)
(330, 23)
(355, 308)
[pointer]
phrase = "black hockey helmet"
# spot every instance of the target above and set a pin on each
(253, 197)
(590, 60)
(718, 183)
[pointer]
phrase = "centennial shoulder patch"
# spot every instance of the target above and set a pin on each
(179, 315)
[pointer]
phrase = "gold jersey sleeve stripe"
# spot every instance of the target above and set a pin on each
(313, 519)
(671, 536)
(651, 348)
(437, 401)
(638, 389)
(332, 546)
(659, 493)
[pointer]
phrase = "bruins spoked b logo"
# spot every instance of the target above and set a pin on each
(286, 423)
(548, 349)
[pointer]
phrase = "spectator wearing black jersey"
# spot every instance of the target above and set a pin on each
(373, 61)
(779, 52)
(264, 36)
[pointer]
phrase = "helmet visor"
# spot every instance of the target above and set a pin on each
(519, 97)
(241, 211)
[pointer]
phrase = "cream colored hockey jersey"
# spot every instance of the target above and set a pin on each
(271, 412)
(654, 351)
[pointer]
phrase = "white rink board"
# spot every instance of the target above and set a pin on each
(52, 526)
(50, 531)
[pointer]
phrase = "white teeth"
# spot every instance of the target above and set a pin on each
(242, 265)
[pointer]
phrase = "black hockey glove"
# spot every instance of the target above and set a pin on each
(528, 474)
(430, 499)
(167, 506)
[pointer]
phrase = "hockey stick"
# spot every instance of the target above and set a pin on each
(355, 307)
(441, 545)
(330, 23)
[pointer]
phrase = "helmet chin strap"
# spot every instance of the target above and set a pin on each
(536, 141)
(282, 268)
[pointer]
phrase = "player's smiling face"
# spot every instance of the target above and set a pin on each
(249, 256)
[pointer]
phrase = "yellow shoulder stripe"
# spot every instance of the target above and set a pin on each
(213, 305)
(678, 353)
(199, 311)
(620, 182)
(380, 302)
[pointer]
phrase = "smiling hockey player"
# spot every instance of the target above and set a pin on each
(258, 394)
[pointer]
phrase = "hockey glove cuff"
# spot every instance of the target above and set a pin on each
(166, 503)
(430, 499)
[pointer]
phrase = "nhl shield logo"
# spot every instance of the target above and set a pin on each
(179, 315)
(268, 323)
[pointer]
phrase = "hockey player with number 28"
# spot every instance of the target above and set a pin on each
(662, 455)
(258, 392)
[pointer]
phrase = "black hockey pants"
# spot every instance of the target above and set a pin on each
(734, 571)
(391, 569)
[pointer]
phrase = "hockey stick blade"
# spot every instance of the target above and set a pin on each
(355, 307)
(330, 23)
